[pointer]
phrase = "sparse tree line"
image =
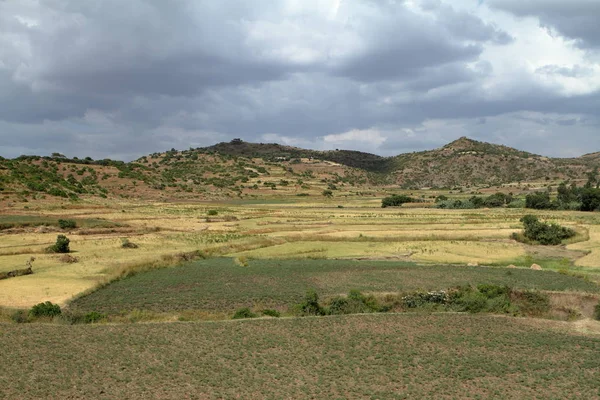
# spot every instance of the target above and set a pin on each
(586, 198)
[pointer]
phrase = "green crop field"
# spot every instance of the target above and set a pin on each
(221, 285)
(382, 356)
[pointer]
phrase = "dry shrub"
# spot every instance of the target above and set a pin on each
(242, 261)
(126, 244)
(68, 259)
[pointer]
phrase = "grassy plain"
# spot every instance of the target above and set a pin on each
(267, 229)
(382, 356)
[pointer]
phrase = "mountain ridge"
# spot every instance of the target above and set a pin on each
(241, 169)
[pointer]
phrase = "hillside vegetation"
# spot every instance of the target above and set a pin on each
(240, 169)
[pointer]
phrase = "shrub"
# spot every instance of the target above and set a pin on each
(539, 201)
(46, 309)
(67, 224)
(544, 233)
(355, 303)
(271, 313)
(472, 302)
(243, 313)
(93, 317)
(597, 312)
(242, 261)
(395, 200)
(126, 244)
(20, 317)
(61, 245)
(310, 305)
(419, 299)
(492, 291)
(212, 213)
(68, 259)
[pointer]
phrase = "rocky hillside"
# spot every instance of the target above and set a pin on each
(467, 162)
(244, 170)
(464, 162)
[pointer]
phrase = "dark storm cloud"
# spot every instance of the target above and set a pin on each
(123, 79)
(575, 19)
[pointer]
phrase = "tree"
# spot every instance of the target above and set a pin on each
(327, 193)
(61, 245)
(590, 199)
(395, 200)
(544, 233)
(539, 201)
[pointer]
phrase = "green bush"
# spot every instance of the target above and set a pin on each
(212, 213)
(93, 317)
(46, 309)
(61, 245)
(20, 316)
(67, 224)
(597, 312)
(492, 291)
(420, 299)
(539, 201)
(271, 313)
(244, 313)
(472, 302)
(396, 200)
(354, 303)
(310, 305)
(544, 233)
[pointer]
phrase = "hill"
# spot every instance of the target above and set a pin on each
(241, 169)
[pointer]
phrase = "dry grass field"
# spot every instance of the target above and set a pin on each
(329, 229)
(201, 262)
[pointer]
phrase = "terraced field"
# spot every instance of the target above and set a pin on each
(218, 287)
(362, 356)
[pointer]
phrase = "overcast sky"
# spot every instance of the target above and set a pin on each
(124, 78)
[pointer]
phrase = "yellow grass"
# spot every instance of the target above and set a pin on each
(313, 227)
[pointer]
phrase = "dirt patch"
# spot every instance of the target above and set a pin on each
(567, 305)
(557, 252)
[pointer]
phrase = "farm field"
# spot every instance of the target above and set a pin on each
(220, 286)
(268, 230)
(381, 356)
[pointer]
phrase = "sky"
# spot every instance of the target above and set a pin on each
(121, 79)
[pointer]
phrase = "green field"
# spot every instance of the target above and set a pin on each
(221, 285)
(383, 356)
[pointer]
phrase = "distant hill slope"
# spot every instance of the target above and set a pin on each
(241, 169)
(464, 162)
(274, 152)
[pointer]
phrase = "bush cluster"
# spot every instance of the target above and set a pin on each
(493, 201)
(482, 298)
(244, 313)
(67, 224)
(46, 309)
(572, 198)
(542, 232)
(396, 200)
(61, 245)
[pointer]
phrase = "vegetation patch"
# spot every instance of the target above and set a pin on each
(537, 232)
(61, 245)
(221, 286)
(376, 355)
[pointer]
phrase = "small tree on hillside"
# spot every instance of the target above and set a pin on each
(61, 245)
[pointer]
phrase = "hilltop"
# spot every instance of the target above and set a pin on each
(242, 169)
